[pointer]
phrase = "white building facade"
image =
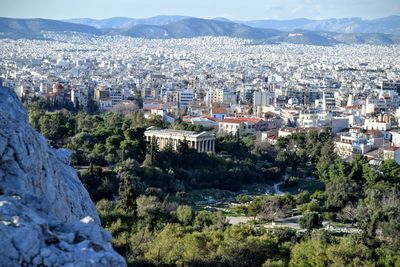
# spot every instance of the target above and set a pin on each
(202, 142)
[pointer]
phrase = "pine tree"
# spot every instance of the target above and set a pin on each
(127, 196)
(129, 185)
(183, 146)
(152, 153)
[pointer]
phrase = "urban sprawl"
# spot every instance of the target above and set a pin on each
(228, 86)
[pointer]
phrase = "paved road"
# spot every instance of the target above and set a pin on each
(276, 189)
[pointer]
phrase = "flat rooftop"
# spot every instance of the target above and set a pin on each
(181, 133)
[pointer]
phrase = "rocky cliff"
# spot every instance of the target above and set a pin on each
(46, 215)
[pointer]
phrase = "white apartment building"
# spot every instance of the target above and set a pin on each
(223, 96)
(78, 97)
(105, 104)
(395, 137)
(328, 101)
(242, 125)
(349, 143)
(373, 124)
(262, 99)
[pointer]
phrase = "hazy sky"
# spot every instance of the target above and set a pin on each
(233, 9)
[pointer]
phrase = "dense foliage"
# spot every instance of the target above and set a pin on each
(139, 192)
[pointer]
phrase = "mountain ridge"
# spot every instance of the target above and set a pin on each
(387, 25)
(189, 27)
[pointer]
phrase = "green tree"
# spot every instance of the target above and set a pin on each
(310, 220)
(130, 149)
(99, 183)
(183, 147)
(126, 193)
(148, 207)
(129, 185)
(340, 191)
(242, 198)
(312, 251)
(274, 207)
(282, 160)
(152, 153)
(185, 214)
(390, 171)
(167, 247)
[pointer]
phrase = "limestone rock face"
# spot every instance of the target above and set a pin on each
(46, 215)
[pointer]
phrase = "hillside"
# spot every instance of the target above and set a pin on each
(32, 28)
(183, 27)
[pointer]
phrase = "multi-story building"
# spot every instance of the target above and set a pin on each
(101, 93)
(222, 96)
(79, 98)
(381, 102)
(105, 104)
(262, 99)
(375, 124)
(392, 152)
(116, 96)
(391, 85)
(328, 101)
(395, 135)
(242, 126)
(185, 98)
(349, 143)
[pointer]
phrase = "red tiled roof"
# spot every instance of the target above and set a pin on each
(210, 118)
(352, 107)
(373, 132)
(218, 111)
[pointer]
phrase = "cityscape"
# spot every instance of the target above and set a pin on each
(192, 141)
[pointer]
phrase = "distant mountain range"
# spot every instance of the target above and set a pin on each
(194, 27)
(123, 22)
(389, 25)
(301, 31)
(32, 28)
